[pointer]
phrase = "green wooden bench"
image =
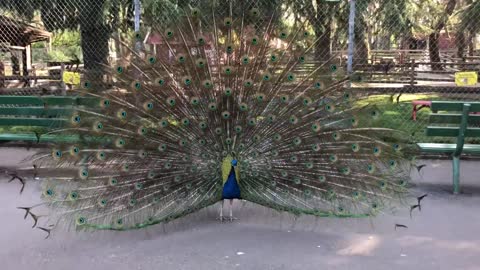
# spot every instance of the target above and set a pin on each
(456, 120)
(42, 112)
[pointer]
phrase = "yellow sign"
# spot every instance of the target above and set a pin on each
(466, 78)
(71, 77)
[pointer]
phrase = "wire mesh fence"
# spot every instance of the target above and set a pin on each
(400, 51)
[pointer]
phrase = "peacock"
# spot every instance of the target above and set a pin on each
(231, 104)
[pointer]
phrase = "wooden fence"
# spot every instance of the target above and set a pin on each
(49, 82)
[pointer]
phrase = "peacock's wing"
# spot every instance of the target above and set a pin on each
(224, 77)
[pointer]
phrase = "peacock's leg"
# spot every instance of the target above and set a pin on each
(221, 211)
(231, 211)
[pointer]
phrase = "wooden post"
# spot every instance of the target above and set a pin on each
(15, 62)
(25, 61)
(28, 54)
(28, 62)
(412, 73)
(2, 74)
(63, 86)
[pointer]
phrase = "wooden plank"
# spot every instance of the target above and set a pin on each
(29, 77)
(36, 111)
(451, 131)
(454, 106)
(32, 100)
(80, 67)
(49, 88)
(387, 82)
(27, 137)
(452, 118)
(31, 137)
(48, 100)
(435, 80)
(440, 71)
(448, 148)
(449, 63)
(36, 122)
(395, 73)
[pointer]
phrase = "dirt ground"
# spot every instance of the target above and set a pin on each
(444, 235)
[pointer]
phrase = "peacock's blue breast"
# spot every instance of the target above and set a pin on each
(231, 189)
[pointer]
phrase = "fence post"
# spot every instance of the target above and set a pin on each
(351, 35)
(63, 85)
(412, 72)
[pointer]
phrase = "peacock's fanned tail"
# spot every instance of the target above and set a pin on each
(225, 80)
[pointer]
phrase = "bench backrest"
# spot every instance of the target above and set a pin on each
(459, 119)
(453, 116)
(44, 111)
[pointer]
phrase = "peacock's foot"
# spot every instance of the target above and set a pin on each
(222, 218)
(231, 218)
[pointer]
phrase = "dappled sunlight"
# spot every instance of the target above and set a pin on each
(361, 246)
(408, 241)
(436, 165)
(471, 246)
(429, 242)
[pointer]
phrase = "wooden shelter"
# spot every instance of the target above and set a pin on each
(17, 36)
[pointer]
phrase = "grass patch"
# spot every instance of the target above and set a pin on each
(399, 116)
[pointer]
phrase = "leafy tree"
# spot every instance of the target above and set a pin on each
(320, 14)
(433, 38)
(468, 27)
(167, 13)
(95, 19)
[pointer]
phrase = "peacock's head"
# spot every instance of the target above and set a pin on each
(234, 162)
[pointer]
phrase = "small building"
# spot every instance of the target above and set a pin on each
(165, 50)
(16, 38)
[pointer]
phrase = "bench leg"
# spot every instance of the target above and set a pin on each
(456, 175)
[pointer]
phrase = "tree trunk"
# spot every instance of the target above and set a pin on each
(95, 50)
(461, 44)
(471, 43)
(361, 46)
(434, 37)
(95, 35)
(322, 47)
(470, 36)
(319, 13)
(321, 20)
(434, 51)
